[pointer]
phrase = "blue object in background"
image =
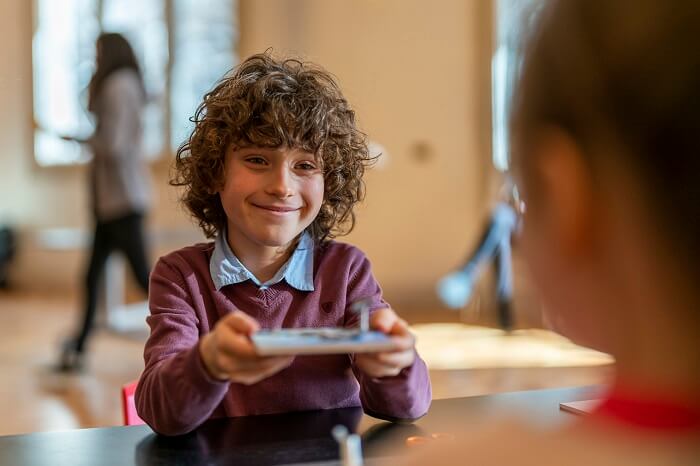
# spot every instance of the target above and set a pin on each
(455, 289)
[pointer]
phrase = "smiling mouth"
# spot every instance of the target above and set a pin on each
(278, 209)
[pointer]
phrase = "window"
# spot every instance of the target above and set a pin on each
(183, 48)
(513, 17)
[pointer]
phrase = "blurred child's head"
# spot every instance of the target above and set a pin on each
(605, 134)
(112, 53)
(283, 106)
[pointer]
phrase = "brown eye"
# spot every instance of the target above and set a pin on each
(306, 166)
(255, 160)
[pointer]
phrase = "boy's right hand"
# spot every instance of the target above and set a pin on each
(229, 354)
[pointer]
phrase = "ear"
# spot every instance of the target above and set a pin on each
(567, 185)
(216, 188)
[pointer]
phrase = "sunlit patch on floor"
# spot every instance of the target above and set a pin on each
(459, 346)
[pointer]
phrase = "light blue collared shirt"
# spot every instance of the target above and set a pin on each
(298, 271)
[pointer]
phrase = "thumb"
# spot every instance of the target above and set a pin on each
(383, 320)
(240, 322)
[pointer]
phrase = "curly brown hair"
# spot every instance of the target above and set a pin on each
(269, 102)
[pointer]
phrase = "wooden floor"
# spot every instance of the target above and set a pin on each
(34, 398)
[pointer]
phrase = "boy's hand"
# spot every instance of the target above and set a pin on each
(388, 363)
(228, 353)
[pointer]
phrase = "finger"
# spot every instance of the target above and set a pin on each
(275, 362)
(374, 368)
(235, 344)
(241, 359)
(241, 322)
(399, 359)
(369, 365)
(393, 360)
(403, 342)
(261, 371)
(383, 319)
(235, 366)
(399, 328)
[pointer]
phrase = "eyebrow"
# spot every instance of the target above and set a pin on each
(275, 151)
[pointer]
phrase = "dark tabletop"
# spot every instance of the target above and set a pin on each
(274, 439)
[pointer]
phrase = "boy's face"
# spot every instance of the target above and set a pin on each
(270, 195)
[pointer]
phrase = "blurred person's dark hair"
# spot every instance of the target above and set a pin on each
(113, 53)
(8, 246)
(623, 81)
(270, 102)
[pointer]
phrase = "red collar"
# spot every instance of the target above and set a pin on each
(655, 412)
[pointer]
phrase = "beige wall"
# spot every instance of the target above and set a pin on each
(417, 74)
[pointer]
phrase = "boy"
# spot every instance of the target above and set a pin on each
(272, 170)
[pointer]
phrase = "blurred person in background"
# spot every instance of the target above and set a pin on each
(119, 185)
(606, 153)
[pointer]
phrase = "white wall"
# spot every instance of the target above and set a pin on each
(417, 74)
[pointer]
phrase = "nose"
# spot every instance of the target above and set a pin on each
(281, 184)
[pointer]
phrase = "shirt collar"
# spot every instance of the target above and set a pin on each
(298, 271)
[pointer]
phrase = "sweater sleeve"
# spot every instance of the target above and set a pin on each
(175, 394)
(404, 397)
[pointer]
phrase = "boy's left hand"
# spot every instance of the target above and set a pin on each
(389, 363)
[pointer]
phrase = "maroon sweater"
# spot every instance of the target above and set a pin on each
(175, 394)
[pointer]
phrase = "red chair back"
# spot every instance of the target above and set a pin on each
(131, 418)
